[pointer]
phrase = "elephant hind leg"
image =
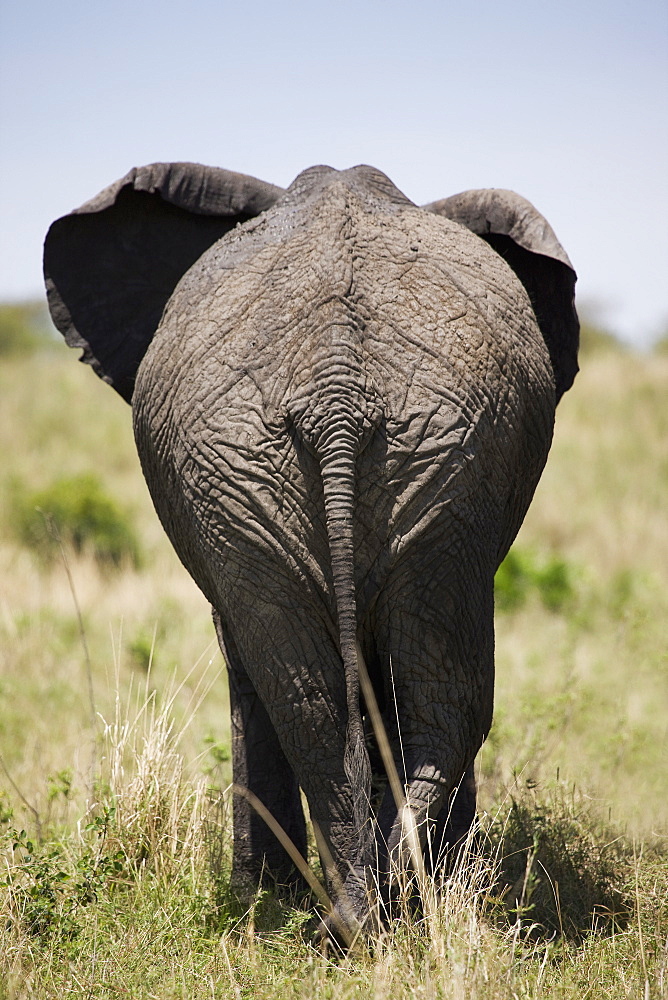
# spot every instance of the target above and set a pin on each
(452, 825)
(259, 765)
(439, 642)
(293, 663)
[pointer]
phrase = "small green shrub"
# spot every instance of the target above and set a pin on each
(142, 650)
(48, 887)
(554, 583)
(511, 583)
(217, 753)
(60, 784)
(79, 513)
(561, 873)
(6, 810)
(522, 573)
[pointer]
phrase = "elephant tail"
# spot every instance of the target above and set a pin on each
(337, 454)
(335, 418)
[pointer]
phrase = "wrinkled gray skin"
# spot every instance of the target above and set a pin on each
(341, 417)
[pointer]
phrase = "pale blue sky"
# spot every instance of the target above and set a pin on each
(565, 103)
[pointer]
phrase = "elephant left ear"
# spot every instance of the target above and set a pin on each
(111, 266)
(522, 236)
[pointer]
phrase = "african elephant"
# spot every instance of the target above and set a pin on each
(342, 403)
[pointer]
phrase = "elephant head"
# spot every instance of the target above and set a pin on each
(342, 403)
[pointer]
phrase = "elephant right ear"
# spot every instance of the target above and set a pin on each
(526, 241)
(111, 265)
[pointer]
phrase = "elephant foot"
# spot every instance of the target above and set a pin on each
(341, 932)
(353, 919)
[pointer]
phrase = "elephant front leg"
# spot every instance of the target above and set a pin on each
(259, 765)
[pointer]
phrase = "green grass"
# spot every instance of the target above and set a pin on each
(114, 737)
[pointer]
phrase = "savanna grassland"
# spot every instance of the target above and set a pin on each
(114, 738)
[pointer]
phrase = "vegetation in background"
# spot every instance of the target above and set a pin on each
(562, 872)
(25, 327)
(523, 572)
(114, 833)
(594, 338)
(77, 512)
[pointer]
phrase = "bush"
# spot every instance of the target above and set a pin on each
(48, 888)
(523, 572)
(560, 872)
(77, 512)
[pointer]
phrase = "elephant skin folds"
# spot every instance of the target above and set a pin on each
(342, 418)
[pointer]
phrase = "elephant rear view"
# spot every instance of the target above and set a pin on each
(342, 403)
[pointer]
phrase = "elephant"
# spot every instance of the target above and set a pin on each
(342, 403)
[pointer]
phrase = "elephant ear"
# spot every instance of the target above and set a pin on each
(111, 265)
(519, 233)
